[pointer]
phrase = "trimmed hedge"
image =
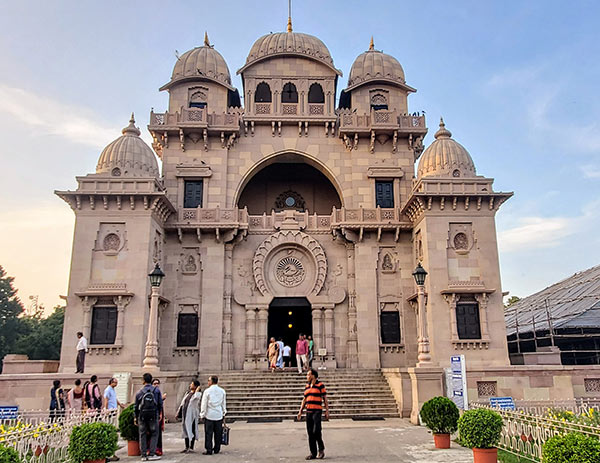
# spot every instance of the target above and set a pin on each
(127, 427)
(440, 415)
(572, 447)
(480, 428)
(93, 441)
(9, 455)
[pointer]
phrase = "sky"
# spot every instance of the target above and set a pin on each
(516, 83)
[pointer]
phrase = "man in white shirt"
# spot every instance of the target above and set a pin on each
(213, 410)
(81, 350)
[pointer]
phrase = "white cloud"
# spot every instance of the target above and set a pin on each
(590, 171)
(51, 117)
(535, 232)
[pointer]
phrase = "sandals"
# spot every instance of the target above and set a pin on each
(321, 455)
(310, 457)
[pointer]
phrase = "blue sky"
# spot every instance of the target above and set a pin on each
(516, 82)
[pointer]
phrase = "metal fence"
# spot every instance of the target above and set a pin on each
(541, 407)
(524, 433)
(38, 438)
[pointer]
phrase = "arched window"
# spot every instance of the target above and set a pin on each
(289, 94)
(379, 101)
(263, 93)
(198, 100)
(315, 94)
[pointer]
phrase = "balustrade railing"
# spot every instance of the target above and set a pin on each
(39, 437)
(194, 116)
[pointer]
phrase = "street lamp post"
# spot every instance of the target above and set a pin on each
(424, 357)
(151, 351)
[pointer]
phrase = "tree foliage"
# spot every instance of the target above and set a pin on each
(511, 300)
(10, 309)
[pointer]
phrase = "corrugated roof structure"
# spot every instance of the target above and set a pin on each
(570, 303)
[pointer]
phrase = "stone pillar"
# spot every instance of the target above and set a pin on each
(260, 347)
(352, 344)
(329, 332)
(227, 354)
(424, 357)
(121, 302)
(317, 326)
(87, 303)
(151, 351)
(482, 299)
(426, 383)
(250, 336)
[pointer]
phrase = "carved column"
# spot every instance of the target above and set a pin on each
(482, 299)
(87, 303)
(250, 332)
(227, 345)
(452, 299)
(121, 302)
(329, 332)
(352, 328)
(424, 357)
(151, 351)
(261, 338)
(317, 326)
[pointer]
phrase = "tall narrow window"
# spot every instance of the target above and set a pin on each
(187, 330)
(384, 194)
(104, 325)
(263, 93)
(289, 93)
(390, 327)
(315, 94)
(193, 193)
(467, 319)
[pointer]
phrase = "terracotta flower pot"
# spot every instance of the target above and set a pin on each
(485, 455)
(133, 448)
(103, 460)
(441, 441)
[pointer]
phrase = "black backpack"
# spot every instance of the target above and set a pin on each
(148, 406)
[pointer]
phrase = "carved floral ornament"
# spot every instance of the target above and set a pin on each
(290, 259)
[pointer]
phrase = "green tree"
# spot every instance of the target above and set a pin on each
(511, 300)
(41, 338)
(10, 309)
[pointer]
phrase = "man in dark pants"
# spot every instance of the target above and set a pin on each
(81, 350)
(314, 397)
(213, 409)
(148, 406)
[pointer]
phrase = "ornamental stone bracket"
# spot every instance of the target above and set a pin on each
(289, 263)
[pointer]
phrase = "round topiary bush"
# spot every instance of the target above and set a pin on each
(440, 415)
(572, 447)
(92, 441)
(480, 428)
(9, 455)
(127, 427)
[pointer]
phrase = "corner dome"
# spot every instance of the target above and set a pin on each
(128, 156)
(445, 157)
(375, 66)
(289, 44)
(201, 63)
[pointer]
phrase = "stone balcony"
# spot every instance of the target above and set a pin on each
(195, 118)
(381, 120)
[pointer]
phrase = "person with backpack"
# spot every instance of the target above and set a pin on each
(148, 406)
(92, 395)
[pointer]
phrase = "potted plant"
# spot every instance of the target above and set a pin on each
(129, 431)
(571, 447)
(480, 430)
(440, 415)
(9, 455)
(92, 442)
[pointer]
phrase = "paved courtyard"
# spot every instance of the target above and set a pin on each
(391, 440)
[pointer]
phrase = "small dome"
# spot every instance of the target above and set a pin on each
(445, 157)
(128, 156)
(289, 43)
(374, 65)
(201, 63)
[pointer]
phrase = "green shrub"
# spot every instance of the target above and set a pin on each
(572, 447)
(480, 428)
(93, 441)
(9, 455)
(127, 427)
(440, 415)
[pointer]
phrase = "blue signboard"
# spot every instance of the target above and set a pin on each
(503, 403)
(9, 413)
(458, 387)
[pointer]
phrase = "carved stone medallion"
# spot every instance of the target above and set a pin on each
(290, 271)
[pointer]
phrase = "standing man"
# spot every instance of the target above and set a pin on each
(213, 409)
(81, 350)
(148, 406)
(301, 351)
(110, 401)
(314, 396)
(287, 356)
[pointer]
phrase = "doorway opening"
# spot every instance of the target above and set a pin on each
(288, 317)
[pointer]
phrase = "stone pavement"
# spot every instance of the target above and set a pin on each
(391, 440)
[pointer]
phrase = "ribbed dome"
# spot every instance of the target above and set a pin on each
(374, 65)
(289, 43)
(128, 156)
(445, 157)
(201, 62)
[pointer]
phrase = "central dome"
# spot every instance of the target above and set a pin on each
(289, 43)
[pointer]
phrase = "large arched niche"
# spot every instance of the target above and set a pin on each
(305, 182)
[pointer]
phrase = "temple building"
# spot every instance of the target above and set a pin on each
(288, 214)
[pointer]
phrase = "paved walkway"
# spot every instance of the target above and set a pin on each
(391, 440)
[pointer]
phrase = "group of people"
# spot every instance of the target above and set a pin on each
(209, 406)
(280, 354)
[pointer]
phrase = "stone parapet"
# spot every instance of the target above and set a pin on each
(19, 364)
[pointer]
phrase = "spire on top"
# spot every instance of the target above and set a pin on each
(131, 128)
(206, 41)
(443, 132)
(371, 45)
(132, 120)
(289, 24)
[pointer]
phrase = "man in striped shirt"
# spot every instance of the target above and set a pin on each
(314, 397)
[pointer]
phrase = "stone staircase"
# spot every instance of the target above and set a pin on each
(262, 395)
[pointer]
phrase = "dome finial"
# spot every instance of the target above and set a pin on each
(371, 45)
(131, 129)
(289, 24)
(443, 132)
(206, 41)
(132, 120)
